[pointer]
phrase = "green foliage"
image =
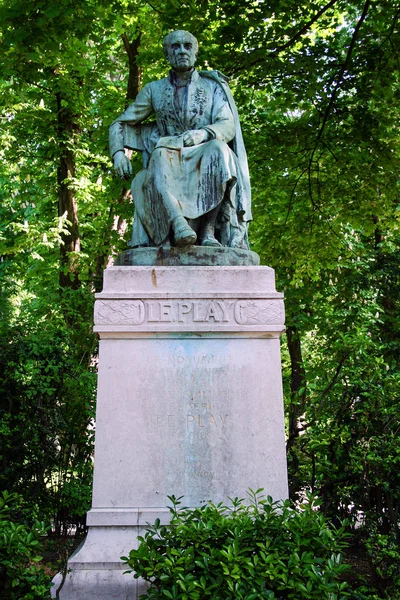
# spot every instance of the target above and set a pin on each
(20, 576)
(384, 551)
(247, 551)
(47, 407)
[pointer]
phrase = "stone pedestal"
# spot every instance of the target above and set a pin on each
(189, 404)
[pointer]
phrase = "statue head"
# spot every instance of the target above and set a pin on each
(180, 49)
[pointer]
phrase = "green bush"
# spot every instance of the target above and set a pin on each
(20, 576)
(384, 552)
(248, 551)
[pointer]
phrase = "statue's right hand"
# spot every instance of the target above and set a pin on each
(122, 165)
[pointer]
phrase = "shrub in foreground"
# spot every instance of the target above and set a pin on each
(247, 551)
(384, 552)
(20, 576)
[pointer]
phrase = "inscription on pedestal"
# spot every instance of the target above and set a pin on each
(199, 418)
(188, 312)
(200, 421)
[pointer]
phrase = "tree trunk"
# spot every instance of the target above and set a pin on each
(298, 385)
(135, 72)
(67, 205)
(119, 224)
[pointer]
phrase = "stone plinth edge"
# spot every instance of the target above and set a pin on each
(189, 256)
(210, 301)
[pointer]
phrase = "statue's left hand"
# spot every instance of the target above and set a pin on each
(194, 137)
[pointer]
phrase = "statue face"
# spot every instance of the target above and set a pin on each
(181, 52)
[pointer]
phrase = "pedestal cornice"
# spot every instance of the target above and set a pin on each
(189, 300)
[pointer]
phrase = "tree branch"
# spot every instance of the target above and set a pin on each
(306, 27)
(160, 12)
(131, 48)
(335, 376)
(340, 78)
(278, 49)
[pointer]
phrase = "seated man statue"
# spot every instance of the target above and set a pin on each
(195, 185)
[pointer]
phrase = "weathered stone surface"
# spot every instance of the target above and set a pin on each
(188, 256)
(189, 403)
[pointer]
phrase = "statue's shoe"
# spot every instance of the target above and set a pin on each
(210, 240)
(184, 235)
